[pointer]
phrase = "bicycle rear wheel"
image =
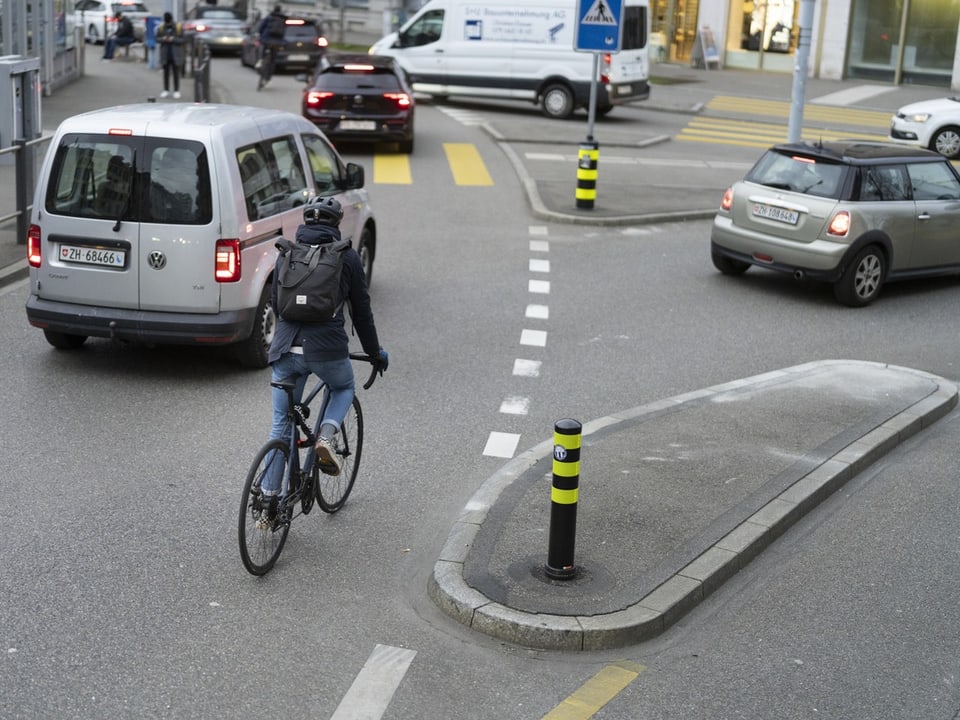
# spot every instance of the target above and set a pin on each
(333, 490)
(261, 542)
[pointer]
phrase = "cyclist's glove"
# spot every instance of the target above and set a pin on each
(383, 360)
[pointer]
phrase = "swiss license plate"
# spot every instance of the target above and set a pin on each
(298, 57)
(771, 212)
(93, 256)
(358, 125)
(624, 89)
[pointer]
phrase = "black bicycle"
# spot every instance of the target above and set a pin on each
(263, 534)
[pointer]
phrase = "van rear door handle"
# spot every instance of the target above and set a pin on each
(923, 216)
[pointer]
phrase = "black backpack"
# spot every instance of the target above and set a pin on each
(276, 27)
(308, 280)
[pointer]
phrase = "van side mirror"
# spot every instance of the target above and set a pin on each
(354, 176)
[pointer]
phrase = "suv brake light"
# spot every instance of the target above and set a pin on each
(34, 253)
(227, 261)
(321, 42)
(316, 98)
(400, 98)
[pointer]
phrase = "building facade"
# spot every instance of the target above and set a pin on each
(897, 41)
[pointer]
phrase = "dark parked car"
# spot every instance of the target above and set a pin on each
(852, 213)
(303, 45)
(221, 28)
(362, 98)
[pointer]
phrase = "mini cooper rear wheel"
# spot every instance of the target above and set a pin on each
(862, 279)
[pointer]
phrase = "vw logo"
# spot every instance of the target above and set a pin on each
(157, 260)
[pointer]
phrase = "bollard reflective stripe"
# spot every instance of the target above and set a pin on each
(564, 495)
(587, 159)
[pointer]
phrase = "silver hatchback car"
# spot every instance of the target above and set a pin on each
(851, 213)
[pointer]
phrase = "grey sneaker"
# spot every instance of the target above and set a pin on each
(267, 505)
(327, 457)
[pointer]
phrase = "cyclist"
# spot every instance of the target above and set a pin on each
(271, 32)
(321, 347)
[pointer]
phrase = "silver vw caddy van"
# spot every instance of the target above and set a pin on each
(156, 223)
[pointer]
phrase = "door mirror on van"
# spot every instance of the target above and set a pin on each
(354, 176)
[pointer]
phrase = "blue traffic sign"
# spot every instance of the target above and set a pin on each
(599, 25)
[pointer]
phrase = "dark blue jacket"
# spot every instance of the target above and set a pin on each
(327, 339)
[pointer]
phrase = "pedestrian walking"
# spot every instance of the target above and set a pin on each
(170, 42)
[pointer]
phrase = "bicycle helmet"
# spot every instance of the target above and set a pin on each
(322, 211)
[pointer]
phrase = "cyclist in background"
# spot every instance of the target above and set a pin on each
(271, 32)
(322, 347)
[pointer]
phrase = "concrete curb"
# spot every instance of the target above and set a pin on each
(662, 607)
(540, 210)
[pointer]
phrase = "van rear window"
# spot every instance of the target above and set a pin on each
(135, 179)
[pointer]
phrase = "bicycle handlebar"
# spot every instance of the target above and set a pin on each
(373, 371)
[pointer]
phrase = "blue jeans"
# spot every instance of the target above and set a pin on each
(338, 376)
(111, 45)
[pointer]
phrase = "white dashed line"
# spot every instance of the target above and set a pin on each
(539, 265)
(536, 338)
(526, 368)
(373, 688)
(541, 287)
(502, 445)
(539, 246)
(515, 405)
(538, 312)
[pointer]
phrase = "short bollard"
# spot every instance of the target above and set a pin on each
(563, 499)
(587, 173)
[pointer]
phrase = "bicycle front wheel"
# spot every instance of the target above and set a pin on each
(262, 539)
(333, 490)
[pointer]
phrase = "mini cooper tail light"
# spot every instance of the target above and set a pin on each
(227, 261)
(840, 224)
(727, 202)
(34, 253)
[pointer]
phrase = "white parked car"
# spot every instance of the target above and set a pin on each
(931, 124)
(99, 18)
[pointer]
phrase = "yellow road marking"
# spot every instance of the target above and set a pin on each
(392, 169)
(821, 113)
(596, 692)
(466, 164)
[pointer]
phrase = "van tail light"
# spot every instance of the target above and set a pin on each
(840, 224)
(605, 65)
(316, 98)
(34, 253)
(401, 99)
(727, 202)
(227, 261)
(321, 42)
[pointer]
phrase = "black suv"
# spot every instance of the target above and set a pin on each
(361, 98)
(304, 44)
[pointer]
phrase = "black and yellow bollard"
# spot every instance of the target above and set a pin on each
(563, 499)
(587, 174)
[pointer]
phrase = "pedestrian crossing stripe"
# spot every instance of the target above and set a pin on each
(466, 167)
(599, 14)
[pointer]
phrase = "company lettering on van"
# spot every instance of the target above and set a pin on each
(523, 25)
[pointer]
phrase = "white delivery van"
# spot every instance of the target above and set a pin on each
(156, 223)
(502, 49)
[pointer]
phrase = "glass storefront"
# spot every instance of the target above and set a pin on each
(910, 41)
(762, 34)
(673, 29)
